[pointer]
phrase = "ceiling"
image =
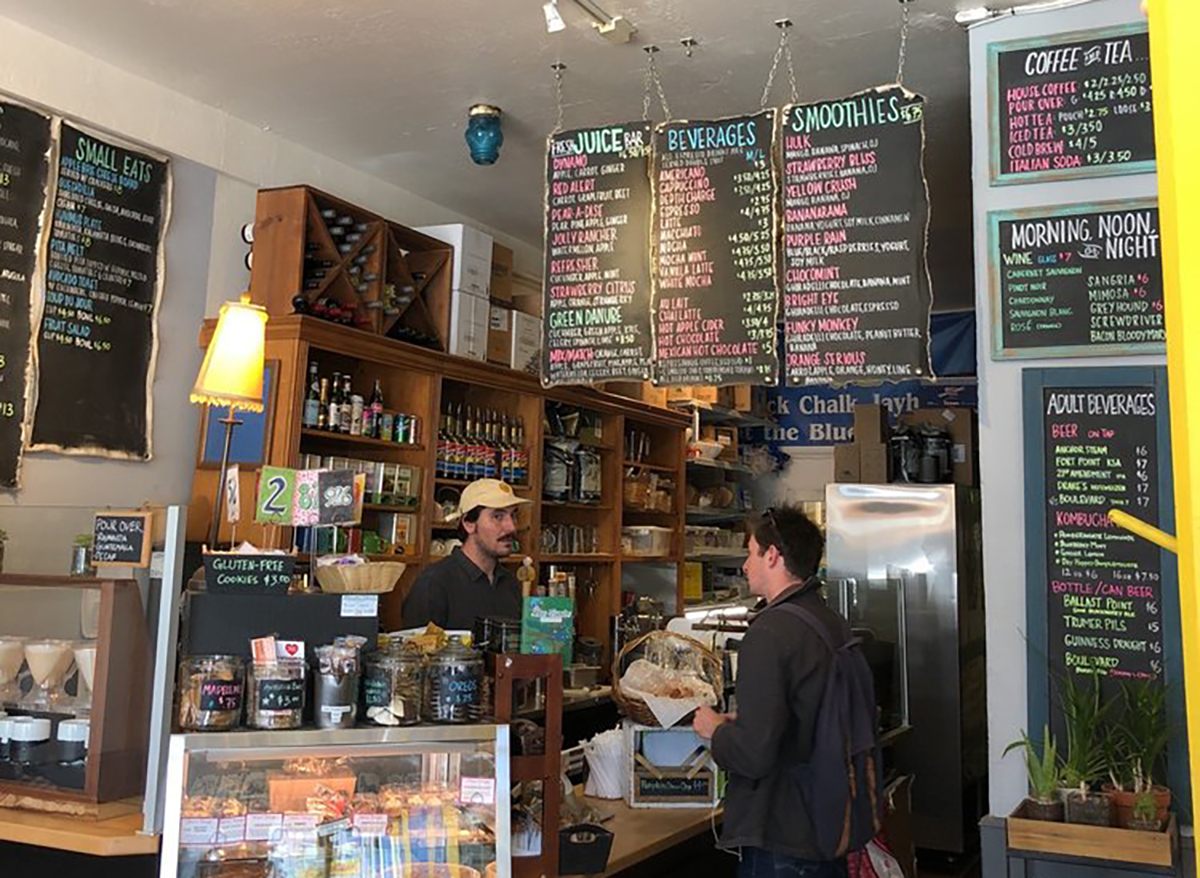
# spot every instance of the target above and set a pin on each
(384, 85)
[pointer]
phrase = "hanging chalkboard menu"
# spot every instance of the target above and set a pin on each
(24, 170)
(1085, 280)
(715, 294)
(1075, 105)
(1101, 452)
(96, 343)
(856, 288)
(596, 305)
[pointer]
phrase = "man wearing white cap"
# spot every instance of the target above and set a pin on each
(472, 582)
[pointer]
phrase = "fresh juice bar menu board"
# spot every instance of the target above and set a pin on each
(1076, 105)
(715, 295)
(856, 288)
(1104, 596)
(96, 341)
(1077, 281)
(596, 303)
(24, 170)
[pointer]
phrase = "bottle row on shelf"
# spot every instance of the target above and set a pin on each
(331, 404)
(475, 443)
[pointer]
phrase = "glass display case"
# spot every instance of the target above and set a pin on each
(425, 802)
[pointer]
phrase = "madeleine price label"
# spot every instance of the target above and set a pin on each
(198, 831)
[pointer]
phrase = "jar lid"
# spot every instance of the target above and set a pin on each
(74, 730)
(29, 729)
(4, 728)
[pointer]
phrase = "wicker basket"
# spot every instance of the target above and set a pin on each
(377, 577)
(637, 709)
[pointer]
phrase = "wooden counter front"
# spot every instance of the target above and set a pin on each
(641, 833)
(115, 837)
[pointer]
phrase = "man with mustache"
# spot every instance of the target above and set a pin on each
(472, 582)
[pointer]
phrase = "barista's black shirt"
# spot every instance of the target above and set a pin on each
(453, 592)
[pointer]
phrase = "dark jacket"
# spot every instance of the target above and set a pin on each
(782, 668)
(453, 592)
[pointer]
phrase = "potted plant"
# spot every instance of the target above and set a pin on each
(1085, 756)
(1139, 741)
(1044, 802)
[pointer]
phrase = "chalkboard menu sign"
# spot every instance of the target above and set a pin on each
(24, 170)
(248, 574)
(121, 539)
(716, 298)
(596, 308)
(1103, 583)
(856, 288)
(1079, 281)
(97, 339)
(1076, 105)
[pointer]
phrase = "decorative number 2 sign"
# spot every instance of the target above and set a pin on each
(276, 495)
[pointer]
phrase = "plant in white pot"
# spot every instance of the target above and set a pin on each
(1045, 778)
(1084, 759)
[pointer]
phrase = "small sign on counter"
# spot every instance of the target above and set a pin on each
(248, 574)
(121, 539)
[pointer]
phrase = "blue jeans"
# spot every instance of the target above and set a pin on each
(759, 863)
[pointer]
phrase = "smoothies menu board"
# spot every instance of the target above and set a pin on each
(856, 288)
(1078, 281)
(24, 171)
(596, 303)
(96, 342)
(1104, 584)
(716, 298)
(1078, 105)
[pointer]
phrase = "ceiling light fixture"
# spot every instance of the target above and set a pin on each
(614, 28)
(483, 135)
(970, 17)
(554, 21)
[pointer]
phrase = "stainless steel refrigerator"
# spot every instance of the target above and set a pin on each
(905, 566)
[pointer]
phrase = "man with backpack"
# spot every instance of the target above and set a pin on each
(801, 752)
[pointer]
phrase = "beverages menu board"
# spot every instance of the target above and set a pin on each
(856, 289)
(24, 171)
(1079, 281)
(596, 303)
(1078, 105)
(96, 342)
(1104, 584)
(716, 297)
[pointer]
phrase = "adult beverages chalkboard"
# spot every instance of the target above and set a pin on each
(1076, 105)
(121, 539)
(856, 288)
(24, 169)
(1103, 583)
(596, 307)
(716, 298)
(96, 343)
(1079, 281)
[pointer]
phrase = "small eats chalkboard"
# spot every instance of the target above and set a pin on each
(596, 297)
(716, 297)
(25, 156)
(248, 574)
(1084, 280)
(1075, 105)
(857, 294)
(122, 539)
(97, 340)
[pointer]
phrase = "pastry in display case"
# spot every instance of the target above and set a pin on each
(423, 801)
(75, 666)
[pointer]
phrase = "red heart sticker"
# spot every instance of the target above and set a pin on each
(291, 649)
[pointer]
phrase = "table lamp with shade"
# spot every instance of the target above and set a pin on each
(232, 375)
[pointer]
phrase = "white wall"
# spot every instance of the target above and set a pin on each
(1000, 422)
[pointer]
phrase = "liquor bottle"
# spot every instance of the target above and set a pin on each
(458, 444)
(506, 451)
(335, 403)
(439, 456)
(347, 404)
(356, 414)
(323, 406)
(312, 401)
(376, 415)
(469, 451)
(521, 457)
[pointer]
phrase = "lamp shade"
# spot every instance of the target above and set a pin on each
(232, 373)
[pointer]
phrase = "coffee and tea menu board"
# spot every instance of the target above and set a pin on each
(24, 171)
(1076, 105)
(716, 298)
(1085, 280)
(96, 342)
(856, 288)
(1103, 583)
(596, 300)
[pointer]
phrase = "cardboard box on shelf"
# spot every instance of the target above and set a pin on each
(526, 343)
(963, 426)
(500, 334)
(472, 255)
(469, 316)
(697, 394)
(845, 463)
(874, 463)
(502, 271)
(643, 390)
(527, 296)
(870, 423)
(745, 398)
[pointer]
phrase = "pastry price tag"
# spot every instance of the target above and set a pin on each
(477, 791)
(300, 826)
(263, 827)
(231, 830)
(370, 824)
(198, 831)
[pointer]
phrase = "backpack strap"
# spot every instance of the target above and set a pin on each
(809, 618)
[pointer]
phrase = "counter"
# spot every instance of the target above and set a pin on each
(639, 834)
(116, 837)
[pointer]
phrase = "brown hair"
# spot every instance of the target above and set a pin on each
(793, 533)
